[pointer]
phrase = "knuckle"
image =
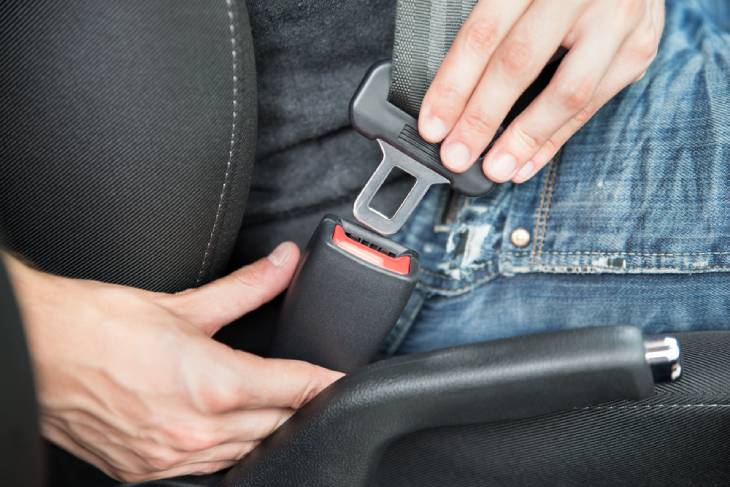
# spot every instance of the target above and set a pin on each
(575, 95)
(250, 278)
(189, 440)
(645, 47)
(644, 42)
(310, 389)
(516, 57)
(214, 398)
(161, 461)
(552, 145)
(478, 122)
(306, 395)
(481, 35)
(252, 284)
(585, 114)
(445, 91)
(529, 141)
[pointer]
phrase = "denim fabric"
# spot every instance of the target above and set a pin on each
(630, 224)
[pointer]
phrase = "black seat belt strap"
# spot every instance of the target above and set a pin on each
(424, 31)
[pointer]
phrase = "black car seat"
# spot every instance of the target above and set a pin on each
(128, 134)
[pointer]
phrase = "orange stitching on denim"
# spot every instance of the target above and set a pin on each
(543, 212)
(519, 253)
(538, 218)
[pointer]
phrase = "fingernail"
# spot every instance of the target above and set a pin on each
(434, 129)
(501, 167)
(524, 173)
(281, 254)
(456, 156)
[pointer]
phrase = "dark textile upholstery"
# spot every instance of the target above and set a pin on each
(679, 437)
(127, 135)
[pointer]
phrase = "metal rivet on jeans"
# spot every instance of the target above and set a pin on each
(520, 237)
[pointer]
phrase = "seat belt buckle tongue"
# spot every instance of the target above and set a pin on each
(424, 179)
(396, 131)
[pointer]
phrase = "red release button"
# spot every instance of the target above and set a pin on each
(399, 265)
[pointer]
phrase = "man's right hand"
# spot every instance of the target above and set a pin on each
(132, 382)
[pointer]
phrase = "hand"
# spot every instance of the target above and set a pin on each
(501, 49)
(131, 382)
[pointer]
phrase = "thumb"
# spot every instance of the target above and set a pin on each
(281, 383)
(217, 303)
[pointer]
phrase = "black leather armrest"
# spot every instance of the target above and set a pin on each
(337, 439)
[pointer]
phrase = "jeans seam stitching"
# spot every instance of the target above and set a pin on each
(538, 220)
(543, 212)
(549, 204)
(519, 253)
(554, 269)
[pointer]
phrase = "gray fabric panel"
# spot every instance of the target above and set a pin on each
(424, 32)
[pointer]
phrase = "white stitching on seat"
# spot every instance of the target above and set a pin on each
(229, 163)
(657, 406)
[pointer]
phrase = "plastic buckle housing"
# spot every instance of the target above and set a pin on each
(349, 290)
(397, 133)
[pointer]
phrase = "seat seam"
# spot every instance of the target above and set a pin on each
(232, 143)
(656, 406)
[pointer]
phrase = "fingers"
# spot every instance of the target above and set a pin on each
(278, 383)
(461, 69)
(218, 303)
(513, 67)
(134, 468)
(232, 380)
(225, 452)
(568, 96)
(253, 425)
(631, 61)
(501, 49)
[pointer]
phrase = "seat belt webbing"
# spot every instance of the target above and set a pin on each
(424, 31)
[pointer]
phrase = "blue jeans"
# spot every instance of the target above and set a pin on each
(629, 224)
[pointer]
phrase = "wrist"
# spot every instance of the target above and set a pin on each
(25, 280)
(28, 286)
